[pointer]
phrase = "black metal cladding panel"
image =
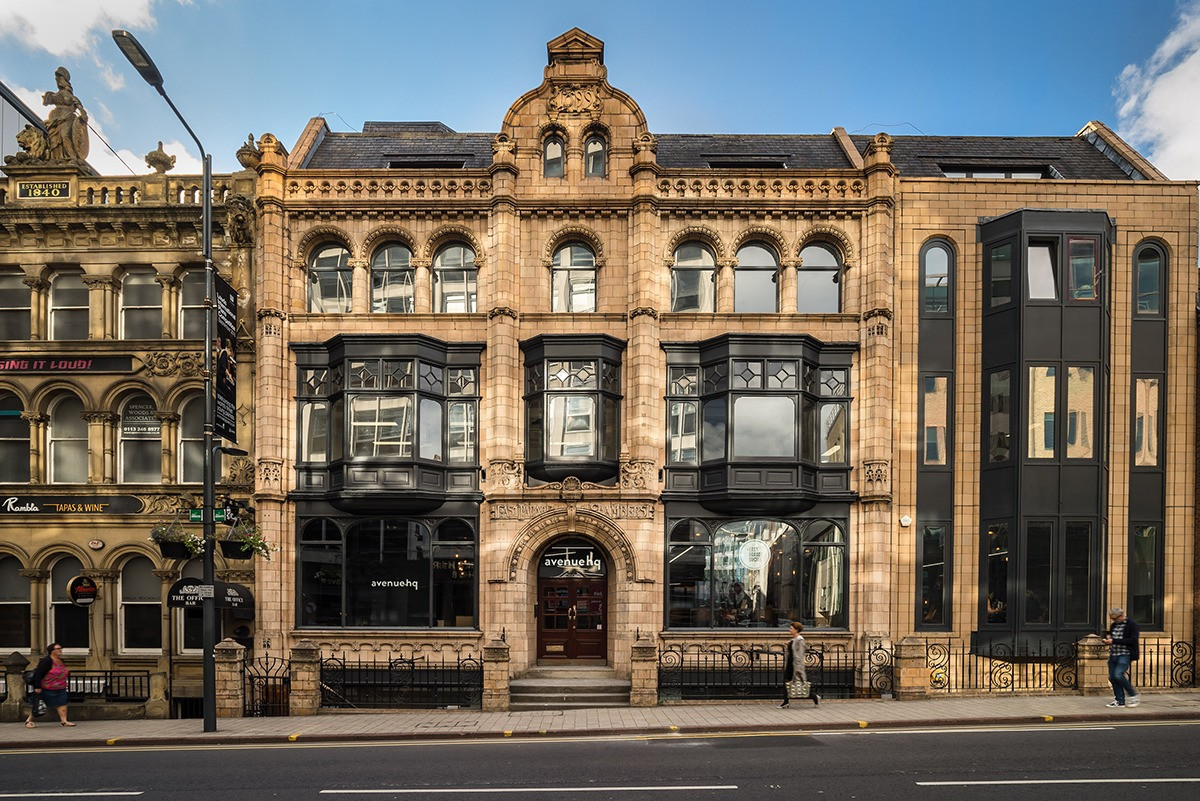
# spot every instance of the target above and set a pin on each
(377, 148)
(937, 345)
(1145, 497)
(1043, 333)
(1001, 337)
(1081, 490)
(997, 495)
(1146, 350)
(935, 491)
(1039, 489)
(795, 152)
(1074, 158)
(682, 480)
(1082, 338)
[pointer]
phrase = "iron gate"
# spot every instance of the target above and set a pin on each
(268, 683)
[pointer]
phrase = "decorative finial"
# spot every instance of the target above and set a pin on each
(159, 160)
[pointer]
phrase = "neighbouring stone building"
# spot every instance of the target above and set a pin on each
(556, 390)
(101, 407)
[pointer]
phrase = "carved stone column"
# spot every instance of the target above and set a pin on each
(171, 299)
(39, 601)
(725, 268)
(103, 617)
(39, 295)
(646, 374)
(500, 407)
(360, 285)
(787, 285)
(169, 434)
(102, 293)
(102, 427)
(423, 285)
(37, 438)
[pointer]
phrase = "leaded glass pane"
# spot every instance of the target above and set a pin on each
(460, 381)
(746, 374)
(716, 377)
(432, 377)
(833, 382)
(364, 374)
(781, 374)
(397, 374)
(683, 380)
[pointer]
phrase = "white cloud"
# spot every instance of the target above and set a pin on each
(71, 27)
(1157, 108)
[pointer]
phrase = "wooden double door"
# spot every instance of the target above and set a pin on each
(572, 619)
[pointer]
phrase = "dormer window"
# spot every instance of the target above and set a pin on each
(552, 157)
(595, 157)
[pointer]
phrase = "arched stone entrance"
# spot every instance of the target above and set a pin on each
(572, 602)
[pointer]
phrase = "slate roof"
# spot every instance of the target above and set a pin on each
(410, 144)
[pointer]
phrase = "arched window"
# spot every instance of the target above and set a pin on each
(14, 440)
(140, 451)
(68, 307)
(693, 278)
(454, 277)
(14, 306)
(68, 442)
(573, 279)
(552, 157)
(392, 280)
(754, 280)
(14, 605)
(1148, 264)
(191, 305)
(191, 442)
(141, 306)
(141, 606)
(68, 622)
(595, 157)
(330, 285)
(817, 280)
(937, 276)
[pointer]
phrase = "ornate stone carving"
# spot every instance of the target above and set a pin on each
(168, 417)
(576, 99)
(66, 138)
(34, 574)
(613, 510)
(159, 160)
(877, 477)
(248, 155)
(583, 522)
(643, 310)
(105, 574)
(506, 474)
(270, 471)
(239, 576)
(502, 311)
(875, 322)
(239, 220)
(241, 474)
(163, 364)
(173, 505)
(637, 474)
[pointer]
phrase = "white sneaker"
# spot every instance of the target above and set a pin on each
(1114, 704)
(1133, 700)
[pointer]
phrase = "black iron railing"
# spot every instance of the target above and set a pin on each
(410, 682)
(1006, 667)
(268, 682)
(132, 686)
(1164, 664)
(745, 671)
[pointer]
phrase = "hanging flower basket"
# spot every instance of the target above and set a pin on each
(174, 541)
(175, 550)
(234, 549)
(244, 540)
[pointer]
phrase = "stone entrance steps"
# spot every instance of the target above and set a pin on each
(568, 687)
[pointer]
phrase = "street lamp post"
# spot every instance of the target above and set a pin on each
(141, 61)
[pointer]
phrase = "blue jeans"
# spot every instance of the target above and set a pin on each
(1118, 667)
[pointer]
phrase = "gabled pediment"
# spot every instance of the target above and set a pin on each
(573, 46)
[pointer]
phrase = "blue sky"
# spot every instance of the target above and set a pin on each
(970, 67)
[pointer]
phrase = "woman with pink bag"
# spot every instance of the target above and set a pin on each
(50, 685)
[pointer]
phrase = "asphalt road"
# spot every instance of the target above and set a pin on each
(1097, 762)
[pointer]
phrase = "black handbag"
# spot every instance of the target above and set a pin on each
(39, 707)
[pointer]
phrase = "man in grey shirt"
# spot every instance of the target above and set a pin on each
(1122, 639)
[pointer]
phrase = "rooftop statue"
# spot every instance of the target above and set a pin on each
(66, 125)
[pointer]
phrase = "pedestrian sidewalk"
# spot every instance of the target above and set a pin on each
(662, 720)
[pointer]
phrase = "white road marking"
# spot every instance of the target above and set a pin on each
(986, 730)
(428, 791)
(1062, 781)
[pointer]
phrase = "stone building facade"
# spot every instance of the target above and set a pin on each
(575, 383)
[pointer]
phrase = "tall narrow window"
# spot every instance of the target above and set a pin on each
(314, 431)
(1149, 262)
(1000, 274)
(1081, 255)
(392, 280)
(68, 622)
(935, 279)
(191, 305)
(693, 279)
(1043, 396)
(1146, 408)
(191, 442)
(552, 157)
(68, 443)
(1145, 575)
(14, 605)
(454, 280)
(140, 452)
(934, 592)
(14, 440)
(1039, 571)
(1077, 573)
(999, 416)
(1081, 404)
(330, 280)
(141, 606)
(141, 306)
(14, 306)
(754, 280)
(817, 280)
(935, 411)
(68, 307)
(1041, 275)
(595, 162)
(995, 542)
(573, 279)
